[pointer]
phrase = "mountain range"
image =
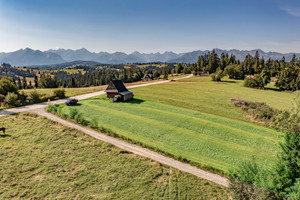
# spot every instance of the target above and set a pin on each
(27, 57)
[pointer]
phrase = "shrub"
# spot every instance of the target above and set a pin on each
(47, 97)
(2, 97)
(34, 96)
(7, 85)
(217, 76)
(52, 108)
(60, 93)
(254, 82)
(241, 190)
(23, 97)
(11, 99)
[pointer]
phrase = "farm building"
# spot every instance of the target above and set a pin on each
(148, 77)
(117, 91)
(202, 73)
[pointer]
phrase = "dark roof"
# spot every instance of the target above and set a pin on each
(116, 85)
(148, 76)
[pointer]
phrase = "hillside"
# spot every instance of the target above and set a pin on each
(41, 159)
(203, 95)
(209, 140)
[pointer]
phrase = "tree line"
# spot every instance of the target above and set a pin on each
(254, 70)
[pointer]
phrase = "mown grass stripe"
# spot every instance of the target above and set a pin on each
(158, 125)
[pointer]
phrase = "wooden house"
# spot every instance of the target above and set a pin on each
(202, 73)
(117, 91)
(148, 77)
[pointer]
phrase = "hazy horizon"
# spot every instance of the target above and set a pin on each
(161, 52)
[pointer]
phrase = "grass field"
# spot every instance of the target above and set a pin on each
(69, 91)
(202, 94)
(209, 140)
(41, 159)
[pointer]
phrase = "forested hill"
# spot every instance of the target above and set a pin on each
(27, 57)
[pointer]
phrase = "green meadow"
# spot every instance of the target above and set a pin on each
(209, 140)
(202, 94)
(41, 159)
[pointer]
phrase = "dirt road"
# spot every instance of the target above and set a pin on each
(39, 109)
(80, 97)
(138, 150)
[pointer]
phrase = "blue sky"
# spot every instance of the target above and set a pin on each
(150, 25)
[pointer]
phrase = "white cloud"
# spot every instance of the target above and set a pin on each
(294, 11)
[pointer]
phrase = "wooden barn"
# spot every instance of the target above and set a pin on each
(117, 91)
(202, 73)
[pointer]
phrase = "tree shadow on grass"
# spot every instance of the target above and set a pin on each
(3, 136)
(228, 81)
(78, 104)
(273, 89)
(133, 101)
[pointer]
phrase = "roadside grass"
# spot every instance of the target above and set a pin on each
(212, 141)
(41, 159)
(69, 91)
(202, 94)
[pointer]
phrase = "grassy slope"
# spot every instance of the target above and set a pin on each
(210, 140)
(201, 94)
(42, 159)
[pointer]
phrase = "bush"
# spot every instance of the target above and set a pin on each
(241, 190)
(60, 93)
(34, 97)
(254, 82)
(52, 108)
(7, 85)
(47, 97)
(217, 76)
(11, 99)
(2, 97)
(23, 97)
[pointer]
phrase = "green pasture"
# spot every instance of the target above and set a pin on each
(202, 94)
(70, 92)
(41, 159)
(209, 140)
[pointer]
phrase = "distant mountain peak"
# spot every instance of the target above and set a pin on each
(29, 56)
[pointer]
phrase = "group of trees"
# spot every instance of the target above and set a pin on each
(93, 77)
(256, 72)
(11, 96)
(103, 77)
